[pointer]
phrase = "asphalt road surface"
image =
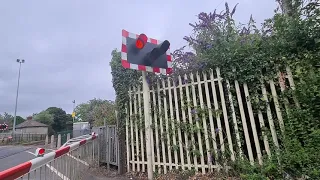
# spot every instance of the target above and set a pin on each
(14, 155)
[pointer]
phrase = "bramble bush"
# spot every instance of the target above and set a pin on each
(254, 55)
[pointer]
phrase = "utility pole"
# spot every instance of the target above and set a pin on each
(15, 109)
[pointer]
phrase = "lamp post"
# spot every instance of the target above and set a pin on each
(20, 61)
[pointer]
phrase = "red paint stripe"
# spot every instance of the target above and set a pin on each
(125, 33)
(124, 48)
(16, 171)
(153, 41)
(157, 70)
(62, 151)
(141, 68)
(82, 142)
(169, 57)
(125, 64)
(169, 70)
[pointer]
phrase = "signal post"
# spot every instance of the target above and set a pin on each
(147, 55)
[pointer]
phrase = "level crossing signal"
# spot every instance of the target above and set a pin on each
(3, 126)
(145, 54)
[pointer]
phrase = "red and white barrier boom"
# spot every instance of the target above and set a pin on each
(43, 159)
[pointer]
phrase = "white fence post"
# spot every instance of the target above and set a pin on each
(59, 141)
(52, 142)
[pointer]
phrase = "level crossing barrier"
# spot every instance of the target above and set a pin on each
(67, 163)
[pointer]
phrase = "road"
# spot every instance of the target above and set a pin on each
(13, 155)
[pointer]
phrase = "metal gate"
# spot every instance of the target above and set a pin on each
(109, 144)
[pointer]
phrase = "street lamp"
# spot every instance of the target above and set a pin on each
(20, 61)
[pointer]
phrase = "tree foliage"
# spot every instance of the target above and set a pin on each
(46, 118)
(96, 111)
(8, 118)
(255, 55)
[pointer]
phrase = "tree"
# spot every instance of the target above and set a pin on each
(44, 117)
(95, 111)
(19, 120)
(105, 111)
(60, 118)
(8, 118)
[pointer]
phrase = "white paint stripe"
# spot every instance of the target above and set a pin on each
(40, 161)
(169, 63)
(134, 66)
(124, 40)
(163, 71)
(132, 35)
(149, 69)
(168, 52)
(124, 56)
(57, 172)
(77, 159)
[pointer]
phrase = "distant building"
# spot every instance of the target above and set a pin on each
(32, 127)
(81, 128)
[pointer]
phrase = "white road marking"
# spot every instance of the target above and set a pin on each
(83, 162)
(31, 153)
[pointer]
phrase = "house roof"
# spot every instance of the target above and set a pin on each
(30, 123)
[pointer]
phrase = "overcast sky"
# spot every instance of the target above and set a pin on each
(67, 43)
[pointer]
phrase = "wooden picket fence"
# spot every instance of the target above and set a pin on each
(185, 138)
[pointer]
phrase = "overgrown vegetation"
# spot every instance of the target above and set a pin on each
(255, 55)
(96, 112)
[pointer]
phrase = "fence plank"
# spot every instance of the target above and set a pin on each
(212, 129)
(195, 104)
(131, 131)
(292, 85)
(172, 124)
(244, 123)
(220, 145)
(225, 114)
(176, 104)
(234, 118)
(195, 162)
(253, 123)
(136, 92)
(141, 128)
(155, 121)
(204, 121)
(265, 137)
(277, 105)
(167, 125)
(269, 116)
(163, 152)
(183, 113)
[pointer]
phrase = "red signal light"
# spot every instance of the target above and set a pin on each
(40, 151)
(141, 41)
